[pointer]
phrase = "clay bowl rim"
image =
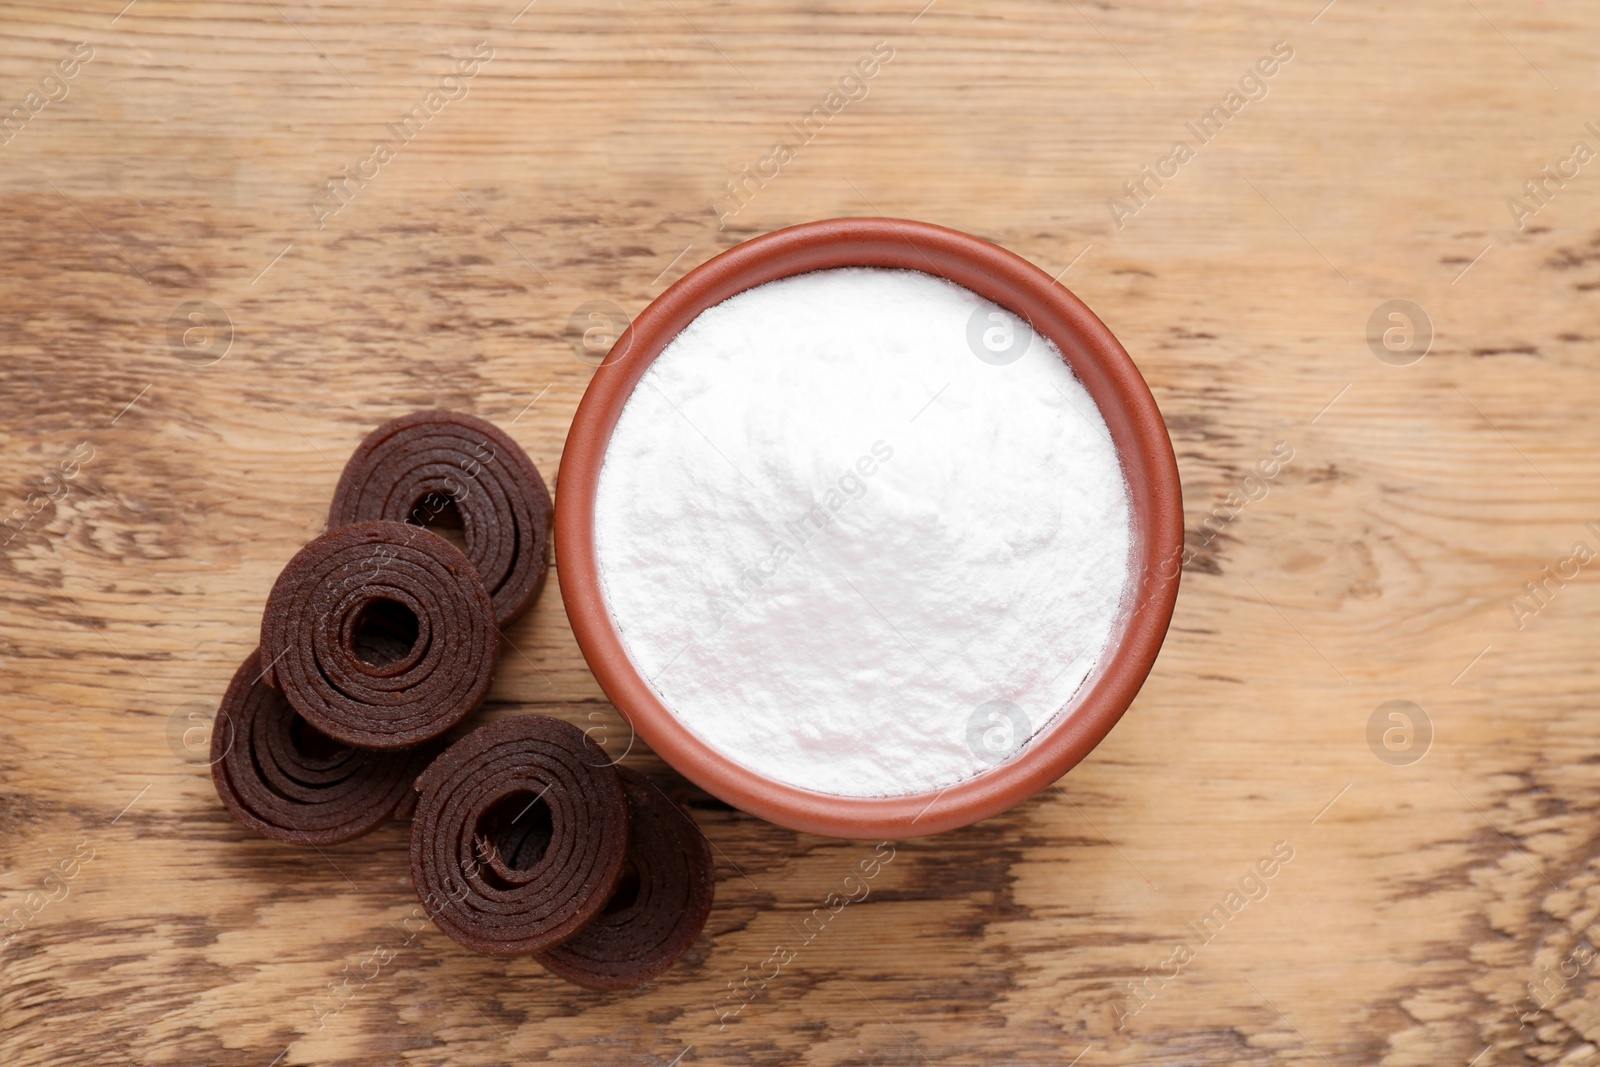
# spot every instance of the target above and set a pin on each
(1099, 361)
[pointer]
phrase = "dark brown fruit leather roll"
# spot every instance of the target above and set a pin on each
(283, 779)
(380, 635)
(439, 467)
(519, 837)
(659, 907)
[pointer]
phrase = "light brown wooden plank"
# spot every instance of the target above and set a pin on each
(581, 165)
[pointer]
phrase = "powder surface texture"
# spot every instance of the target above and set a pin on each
(853, 540)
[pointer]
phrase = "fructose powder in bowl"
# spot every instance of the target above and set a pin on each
(862, 531)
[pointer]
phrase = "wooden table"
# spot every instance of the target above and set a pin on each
(1440, 861)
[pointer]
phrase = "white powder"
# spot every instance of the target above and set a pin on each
(830, 534)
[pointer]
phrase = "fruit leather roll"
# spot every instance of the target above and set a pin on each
(286, 780)
(380, 635)
(431, 467)
(520, 835)
(659, 907)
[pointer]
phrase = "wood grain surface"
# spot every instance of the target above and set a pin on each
(1442, 878)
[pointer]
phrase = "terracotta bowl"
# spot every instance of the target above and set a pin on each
(1098, 361)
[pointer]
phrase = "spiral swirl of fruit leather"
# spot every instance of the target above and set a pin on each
(408, 468)
(659, 907)
(285, 780)
(380, 635)
(494, 871)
